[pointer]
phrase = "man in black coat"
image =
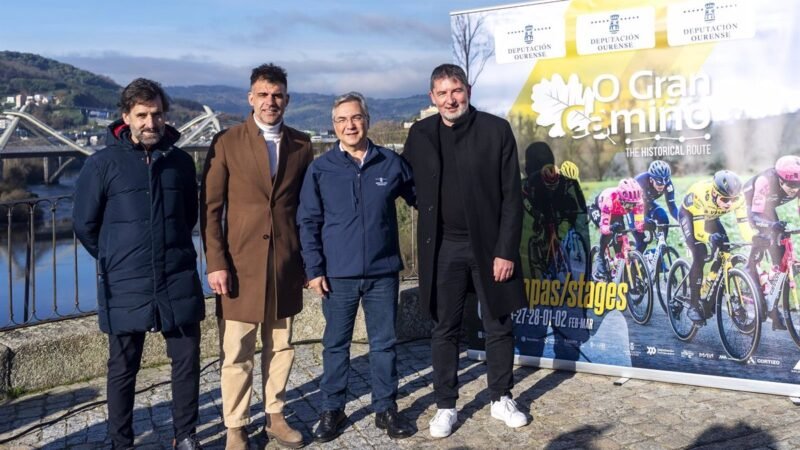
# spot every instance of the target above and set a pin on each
(470, 225)
(134, 211)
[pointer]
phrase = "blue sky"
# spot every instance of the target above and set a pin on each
(382, 48)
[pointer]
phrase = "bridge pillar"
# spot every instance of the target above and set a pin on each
(46, 169)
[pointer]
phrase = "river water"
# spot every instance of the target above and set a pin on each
(63, 282)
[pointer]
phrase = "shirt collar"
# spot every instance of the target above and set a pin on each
(268, 130)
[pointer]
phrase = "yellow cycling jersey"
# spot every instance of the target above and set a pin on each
(699, 201)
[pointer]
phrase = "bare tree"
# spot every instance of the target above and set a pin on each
(470, 48)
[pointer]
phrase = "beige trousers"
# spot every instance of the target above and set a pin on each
(237, 350)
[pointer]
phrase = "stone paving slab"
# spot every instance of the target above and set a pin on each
(569, 410)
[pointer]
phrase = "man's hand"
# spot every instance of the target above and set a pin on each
(319, 285)
(220, 282)
(503, 269)
(718, 240)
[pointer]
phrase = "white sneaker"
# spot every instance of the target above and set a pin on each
(506, 410)
(442, 423)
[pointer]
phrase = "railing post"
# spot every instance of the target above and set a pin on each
(53, 204)
(28, 262)
(10, 259)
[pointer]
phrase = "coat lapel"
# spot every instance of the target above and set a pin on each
(258, 149)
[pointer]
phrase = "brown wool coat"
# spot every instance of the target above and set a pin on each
(259, 210)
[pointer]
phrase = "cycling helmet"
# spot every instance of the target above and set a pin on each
(570, 170)
(788, 168)
(727, 183)
(660, 170)
(549, 174)
(629, 190)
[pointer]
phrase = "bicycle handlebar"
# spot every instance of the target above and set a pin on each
(730, 245)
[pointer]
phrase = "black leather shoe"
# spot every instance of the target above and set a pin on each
(189, 443)
(330, 425)
(396, 426)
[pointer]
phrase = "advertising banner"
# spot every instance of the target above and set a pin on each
(658, 144)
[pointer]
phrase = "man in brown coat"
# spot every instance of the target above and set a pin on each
(251, 184)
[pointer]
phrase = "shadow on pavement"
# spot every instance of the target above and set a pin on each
(153, 423)
(580, 438)
(742, 435)
(19, 415)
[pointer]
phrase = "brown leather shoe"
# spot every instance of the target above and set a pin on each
(237, 439)
(277, 428)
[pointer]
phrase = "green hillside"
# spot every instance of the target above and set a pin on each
(77, 90)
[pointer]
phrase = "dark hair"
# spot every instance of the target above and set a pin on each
(449, 71)
(142, 90)
(269, 72)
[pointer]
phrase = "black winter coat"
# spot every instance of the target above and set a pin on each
(136, 219)
(492, 195)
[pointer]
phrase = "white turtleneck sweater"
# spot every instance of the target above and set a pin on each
(272, 135)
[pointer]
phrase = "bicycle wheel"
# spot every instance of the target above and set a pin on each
(640, 289)
(666, 257)
(791, 308)
(738, 315)
(678, 299)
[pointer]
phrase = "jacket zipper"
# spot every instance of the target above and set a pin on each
(363, 224)
(148, 161)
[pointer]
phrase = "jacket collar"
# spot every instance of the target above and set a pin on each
(430, 125)
(342, 156)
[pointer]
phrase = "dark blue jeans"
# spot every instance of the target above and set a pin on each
(378, 296)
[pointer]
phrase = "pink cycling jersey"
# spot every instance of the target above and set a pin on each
(611, 206)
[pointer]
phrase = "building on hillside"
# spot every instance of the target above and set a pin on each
(423, 113)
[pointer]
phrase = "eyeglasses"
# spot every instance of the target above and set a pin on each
(726, 200)
(358, 118)
(659, 181)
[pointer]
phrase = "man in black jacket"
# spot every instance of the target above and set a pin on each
(135, 208)
(469, 197)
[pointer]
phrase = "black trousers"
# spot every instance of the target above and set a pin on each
(124, 360)
(455, 267)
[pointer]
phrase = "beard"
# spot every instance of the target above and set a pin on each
(148, 137)
(459, 113)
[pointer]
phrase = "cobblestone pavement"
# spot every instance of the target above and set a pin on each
(569, 410)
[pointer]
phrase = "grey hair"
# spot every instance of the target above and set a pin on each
(350, 97)
(449, 71)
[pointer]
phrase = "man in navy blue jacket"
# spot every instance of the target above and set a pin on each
(348, 234)
(135, 208)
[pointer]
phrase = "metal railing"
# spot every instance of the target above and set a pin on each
(38, 287)
(49, 276)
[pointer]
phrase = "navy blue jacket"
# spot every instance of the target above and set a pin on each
(651, 195)
(347, 216)
(136, 219)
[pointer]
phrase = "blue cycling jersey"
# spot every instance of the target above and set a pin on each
(651, 194)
